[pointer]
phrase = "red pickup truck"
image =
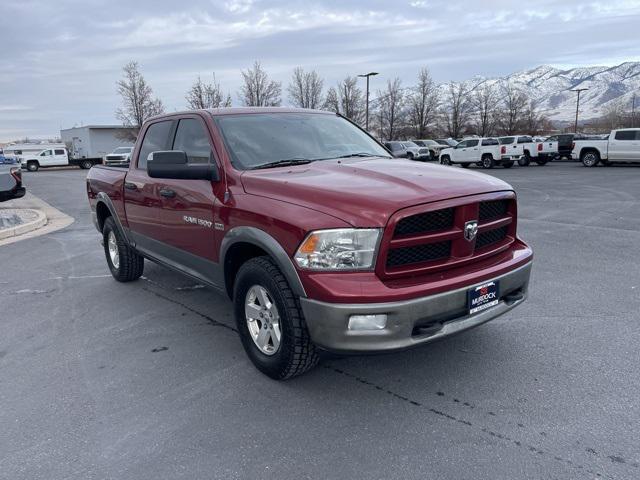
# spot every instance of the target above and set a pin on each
(322, 240)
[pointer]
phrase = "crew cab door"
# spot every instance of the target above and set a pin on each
(187, 207)
(472, 152)
(459, 152)
(624, 145)
(46, 158)
(60, 157)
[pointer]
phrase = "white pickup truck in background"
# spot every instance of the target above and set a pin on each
(621, 146)
(55, 157)
(484, 152)
(523, 149)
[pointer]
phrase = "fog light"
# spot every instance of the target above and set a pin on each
(367, 322)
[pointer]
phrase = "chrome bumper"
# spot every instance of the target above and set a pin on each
(411, 322)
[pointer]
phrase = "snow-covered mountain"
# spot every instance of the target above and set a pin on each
(551, 87)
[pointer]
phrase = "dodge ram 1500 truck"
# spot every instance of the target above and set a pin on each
(322, 240)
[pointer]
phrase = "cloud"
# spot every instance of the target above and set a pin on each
(67, 72)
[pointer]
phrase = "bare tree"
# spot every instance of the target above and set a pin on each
(423, 103)
(305, 89)
(138, 102)
(206, 95)
(456, 109)
(258, 90)
(351, 100)
(514, 104)
(390, 105)
(533, 121)
(485, 103)
(331, 101)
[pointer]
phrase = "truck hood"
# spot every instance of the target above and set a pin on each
(366, 192)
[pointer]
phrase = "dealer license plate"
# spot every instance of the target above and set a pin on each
(483, 296)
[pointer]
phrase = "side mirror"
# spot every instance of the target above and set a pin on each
(173, 164)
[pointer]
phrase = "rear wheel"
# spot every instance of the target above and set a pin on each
(487, 161)
(590, 159)
(507, 164)
(124, 262)
(524, 160)
(270, 321)
(33, 166)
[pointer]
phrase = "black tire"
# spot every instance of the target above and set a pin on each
(487, 162)
(296, 353)
(590, 158)
(507, 164)
(409, 156)
(445, 160)
(541, 162)
(86, 164)
(130, 263)
(524, 160)
(465, 165)
(33, 166)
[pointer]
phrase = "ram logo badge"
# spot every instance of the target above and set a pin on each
(470, 230)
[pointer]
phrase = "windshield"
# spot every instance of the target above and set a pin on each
(264, 138)
(123, 150)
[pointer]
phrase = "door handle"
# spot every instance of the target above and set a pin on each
(167, 193)
(130, 186)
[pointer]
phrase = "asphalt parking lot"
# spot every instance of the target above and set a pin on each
(149, 380)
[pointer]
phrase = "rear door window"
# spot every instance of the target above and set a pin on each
(506, 140)
(626, 135)
(489, 141)
(524, 140)
(59, 152)
(156, 139)
(192, 138)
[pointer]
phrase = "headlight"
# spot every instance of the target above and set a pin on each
(340, 249)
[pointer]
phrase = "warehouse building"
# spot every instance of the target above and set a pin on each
(96, 141)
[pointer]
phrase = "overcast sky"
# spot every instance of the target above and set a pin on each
(60, 59)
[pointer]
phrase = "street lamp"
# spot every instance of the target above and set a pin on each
(367, 75)
(575, 127)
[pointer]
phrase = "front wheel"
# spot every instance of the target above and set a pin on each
(524, 160)
(590, 159)
(445, 160)
(270, 321)
(86, 164)
(125, 264)
(33, 166)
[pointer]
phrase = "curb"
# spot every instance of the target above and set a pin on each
(40, 221)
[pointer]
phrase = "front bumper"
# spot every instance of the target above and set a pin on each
(410, 322)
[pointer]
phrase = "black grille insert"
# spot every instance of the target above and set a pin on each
(493, 209)
(425, 222)
(492, 236)
(420, 253)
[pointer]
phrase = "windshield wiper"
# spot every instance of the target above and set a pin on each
(360, 154)
(283, 163)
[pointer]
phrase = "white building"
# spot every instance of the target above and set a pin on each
(96, 141)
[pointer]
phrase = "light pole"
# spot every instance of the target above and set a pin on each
(575, 127)
(366, 121)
